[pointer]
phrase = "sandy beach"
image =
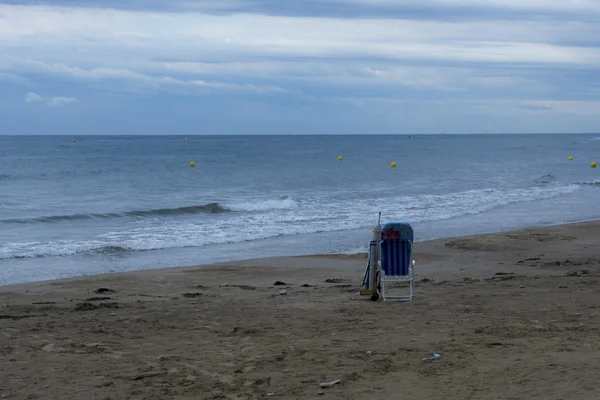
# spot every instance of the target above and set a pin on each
(513, 315)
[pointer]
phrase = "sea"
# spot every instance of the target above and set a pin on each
(103, 204)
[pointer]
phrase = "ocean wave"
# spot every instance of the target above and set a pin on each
(63, 248)
(589, 183)
(546, 179)
(210, 208)
(586, 140)
(112, 250)
(478, 201)
(286, 217)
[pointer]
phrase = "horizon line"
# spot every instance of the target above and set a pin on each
(301, 134)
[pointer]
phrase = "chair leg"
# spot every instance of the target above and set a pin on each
(412, 279)
(376, 289)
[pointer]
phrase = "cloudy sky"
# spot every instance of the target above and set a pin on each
(308, 66)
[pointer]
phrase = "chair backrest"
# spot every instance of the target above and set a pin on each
(396, 248)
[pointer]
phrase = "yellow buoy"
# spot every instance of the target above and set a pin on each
(73, 140)
(393, 164)
(340, 158)
(192, 164)
(326, 137)
(570, 158)
(186, 138)
(593, 164)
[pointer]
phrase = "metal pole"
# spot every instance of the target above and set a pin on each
(375, 256)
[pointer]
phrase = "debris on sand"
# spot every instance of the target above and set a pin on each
(49, 347)
(244, 287)
(86, 306)
(192, 295)
(97, 298)
(432, 357)
(329, 384)
(577, 273)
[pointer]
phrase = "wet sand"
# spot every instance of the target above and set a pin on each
(514, 316)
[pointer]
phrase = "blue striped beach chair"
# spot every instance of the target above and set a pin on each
(396, 264)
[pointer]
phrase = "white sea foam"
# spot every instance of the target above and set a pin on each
(264, 205)
(263, 219)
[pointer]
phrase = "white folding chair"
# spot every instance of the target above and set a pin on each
(395, 263)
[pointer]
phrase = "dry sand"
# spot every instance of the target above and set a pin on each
(513, 315)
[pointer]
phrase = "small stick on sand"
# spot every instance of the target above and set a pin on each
(330, 384)
(147, 375)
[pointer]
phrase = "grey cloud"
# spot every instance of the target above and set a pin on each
(33, 98)
(60, 101)
(52, 102)
(407, 9)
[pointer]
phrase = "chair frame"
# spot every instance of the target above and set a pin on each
(383, 278)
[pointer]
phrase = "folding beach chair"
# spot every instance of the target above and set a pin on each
(396, 264)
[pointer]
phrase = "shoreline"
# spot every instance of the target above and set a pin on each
(513, 315)
(263, 260)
